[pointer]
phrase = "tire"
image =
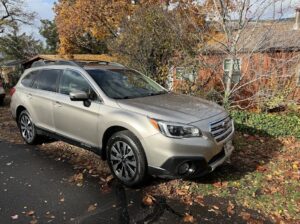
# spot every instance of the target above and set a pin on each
(126, 158)
(27, 128)
(1, 101)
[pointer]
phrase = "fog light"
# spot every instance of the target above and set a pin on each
(191, 170)
(183, 168)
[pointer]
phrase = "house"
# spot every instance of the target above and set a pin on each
(267, 63)
(9, 71)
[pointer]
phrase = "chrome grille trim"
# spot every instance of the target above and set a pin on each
(221, 129)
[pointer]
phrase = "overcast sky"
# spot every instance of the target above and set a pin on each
(44, 10)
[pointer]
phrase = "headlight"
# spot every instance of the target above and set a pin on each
(176, 130)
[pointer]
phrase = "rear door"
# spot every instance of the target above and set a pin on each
(42, 97)
(73, 119)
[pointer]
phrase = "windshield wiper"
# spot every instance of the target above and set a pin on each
(157, 93)
(122, 98)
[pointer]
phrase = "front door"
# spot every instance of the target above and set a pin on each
(73, 119)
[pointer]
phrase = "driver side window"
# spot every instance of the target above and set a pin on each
(72, 81)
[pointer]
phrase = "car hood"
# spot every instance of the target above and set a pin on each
(173, 107)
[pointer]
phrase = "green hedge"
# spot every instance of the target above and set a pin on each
(266, 124)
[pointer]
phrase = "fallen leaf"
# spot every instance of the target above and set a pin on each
(181, 192)
(186, 187)
(77, 178)
(148, 200)
(34, 221)
(14, 217)
(216, 207)
(245, 215)
(188, 200)
(200, 200)
(109, 178)
(230, 208)
(270, 190)
(269, 177)
(49, 215)
(188, 218)
(295, 166)
(30, 213)
(218, 184)
(261, 168)
(91, 208)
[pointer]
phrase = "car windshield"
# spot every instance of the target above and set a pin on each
(125, 84)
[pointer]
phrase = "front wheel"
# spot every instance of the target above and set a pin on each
(126, 158)
(27, 128)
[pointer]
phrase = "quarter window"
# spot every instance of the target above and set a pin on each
(29, 78)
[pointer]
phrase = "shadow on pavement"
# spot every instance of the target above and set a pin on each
(129, 209)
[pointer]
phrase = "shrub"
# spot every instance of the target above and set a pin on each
(267, 124)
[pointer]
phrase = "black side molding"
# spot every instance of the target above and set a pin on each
(58, 137)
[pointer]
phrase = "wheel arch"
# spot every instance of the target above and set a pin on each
(112, 130)
(19, 111)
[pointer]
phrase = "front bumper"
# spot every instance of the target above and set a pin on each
(165, 155)
(199, 166)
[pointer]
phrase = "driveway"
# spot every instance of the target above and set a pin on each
(36, 188)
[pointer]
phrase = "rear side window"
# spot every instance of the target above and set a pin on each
(47, 80)
(29, 78)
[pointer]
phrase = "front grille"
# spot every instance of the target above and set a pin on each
(221, 129)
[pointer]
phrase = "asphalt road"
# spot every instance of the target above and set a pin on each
(35, 188)
(31, 181)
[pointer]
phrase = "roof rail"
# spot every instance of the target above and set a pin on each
(73, 63)
(84, 63)
(58, 62)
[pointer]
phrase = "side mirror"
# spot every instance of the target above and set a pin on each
(78, 96)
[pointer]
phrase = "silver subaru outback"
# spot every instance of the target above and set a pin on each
(139, 127)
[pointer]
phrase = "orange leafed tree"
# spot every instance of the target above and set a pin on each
(98, 19)
(80, 22)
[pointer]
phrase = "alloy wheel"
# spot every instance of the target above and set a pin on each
(123, 160)
(26, 128)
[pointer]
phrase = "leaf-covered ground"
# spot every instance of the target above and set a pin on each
(263, 175)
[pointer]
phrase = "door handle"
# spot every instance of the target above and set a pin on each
(29, 95)
(58, 104)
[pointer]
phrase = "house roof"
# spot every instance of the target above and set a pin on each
(74, 57)
(277, 35)
(10, 63)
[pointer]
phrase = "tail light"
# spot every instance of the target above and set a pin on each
(12, 91)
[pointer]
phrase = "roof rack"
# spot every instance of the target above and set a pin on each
(58, 62)
(85, 63)
(73, 63)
